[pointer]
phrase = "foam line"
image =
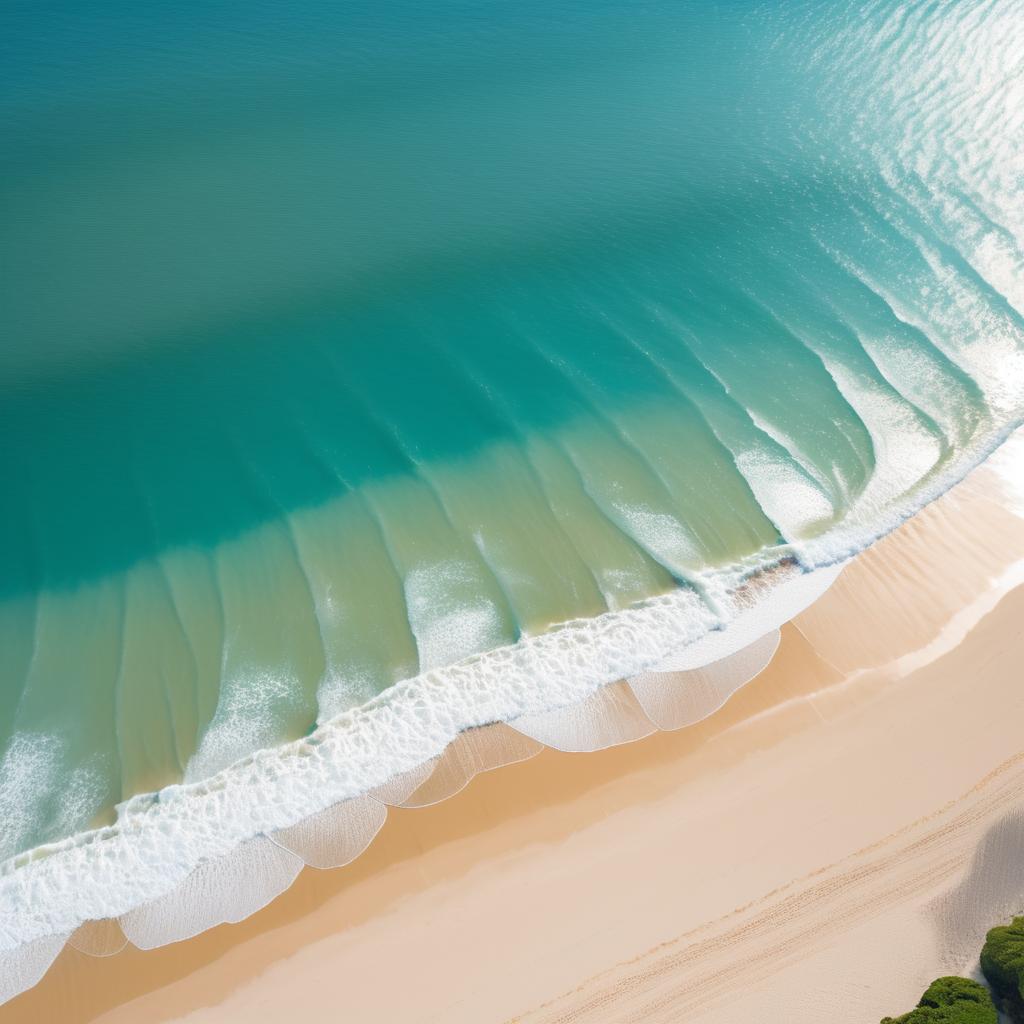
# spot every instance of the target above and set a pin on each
(227, 889)
(99, 938)
(397, 790)
(22, 967)
(472, 752)
(672, 700)
(604, 719)
(788, 598)
(335, 836)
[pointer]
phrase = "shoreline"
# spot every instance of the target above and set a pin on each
(624, 649)
(519, 824)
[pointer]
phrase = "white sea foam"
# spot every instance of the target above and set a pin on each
(606, 718)
(675, 699)
(787, 599)
(243, 722)
(446, 628)
(788, 497)
(337, 835)
(21, 968)
(35, 759)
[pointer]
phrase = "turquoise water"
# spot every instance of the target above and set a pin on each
(343, 342)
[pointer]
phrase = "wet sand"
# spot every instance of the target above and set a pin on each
(808, 848)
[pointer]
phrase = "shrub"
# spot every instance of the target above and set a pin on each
(951, 1001)
(1002, 962)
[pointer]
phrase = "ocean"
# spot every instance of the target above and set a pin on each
(374, 371)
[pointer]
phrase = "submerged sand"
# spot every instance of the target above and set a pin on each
(843, 830)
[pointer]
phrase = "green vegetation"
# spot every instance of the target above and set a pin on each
(1002, 962)
(951, 1001)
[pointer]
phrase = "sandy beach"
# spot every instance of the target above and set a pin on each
(841, 832)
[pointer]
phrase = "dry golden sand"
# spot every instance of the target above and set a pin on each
(803, 855)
